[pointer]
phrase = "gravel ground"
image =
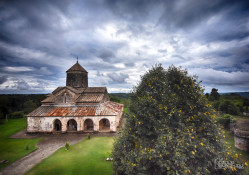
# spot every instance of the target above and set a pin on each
(46, 147)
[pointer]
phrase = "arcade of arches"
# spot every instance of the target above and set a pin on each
(102, 125)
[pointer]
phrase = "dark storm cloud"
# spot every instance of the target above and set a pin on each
(34, 14)
(186, 15)
(232, 59)
(40, 40)
(118, 78)
(3, 79)
(22, 85)
(106, 54)
(131, 9)
(177, 14)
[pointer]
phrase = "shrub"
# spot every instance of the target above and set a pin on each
(224, 120)
(67, 146)
(227, 116)
(27, 147)
(171, 129)
(233, 120)
(88, 136)
(228, 108)
(216, 105)
(114, 98)
(240, 108)
(18, 114)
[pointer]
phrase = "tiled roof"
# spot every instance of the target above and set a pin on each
(76, 67)
(57, 90)
(103, 109)
(77, 91)
(109, 108)
(95, 90)
(90, 98)
(49, 99)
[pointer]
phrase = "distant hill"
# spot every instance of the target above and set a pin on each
(243, 94)
(121, 95)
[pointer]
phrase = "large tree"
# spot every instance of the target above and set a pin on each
(171, 128)
(214, 94)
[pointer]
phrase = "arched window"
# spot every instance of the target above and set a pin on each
(88, 125)
(72, 125)
(57, 125)
(104, 125)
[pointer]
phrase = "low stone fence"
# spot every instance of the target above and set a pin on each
(241, 134)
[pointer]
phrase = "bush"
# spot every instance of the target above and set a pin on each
(67, 146)
(227, 116)
(228, 108)
(114, 98)
(88, 136)
(170, 130)
(224, 120)
(216, 105)
(233, 120)
(18, 114)
(240, 108)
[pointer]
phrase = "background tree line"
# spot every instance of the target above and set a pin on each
(232, 103)
(18, 105)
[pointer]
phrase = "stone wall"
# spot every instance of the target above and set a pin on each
(241, 143)
(46, 124)
(246, 113)
(241, 134)
(77, 79)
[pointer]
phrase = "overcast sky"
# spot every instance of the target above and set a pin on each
(118, 41)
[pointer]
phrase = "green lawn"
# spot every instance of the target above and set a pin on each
(85, 158)
(245, 155)
(14, 149)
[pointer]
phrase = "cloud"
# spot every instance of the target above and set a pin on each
(3, 79)
(22, 85)
(228, 81)
(118, 77)
(17, 69)
(117, 41)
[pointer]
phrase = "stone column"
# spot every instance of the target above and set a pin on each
(64, 124)
(95, 124)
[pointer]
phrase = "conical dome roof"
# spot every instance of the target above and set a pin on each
(76, 68)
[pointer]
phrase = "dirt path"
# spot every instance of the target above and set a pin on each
(46, 147)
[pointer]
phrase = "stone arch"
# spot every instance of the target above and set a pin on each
(88, 125)
(104, 125)
(71, 125)
(57, 125)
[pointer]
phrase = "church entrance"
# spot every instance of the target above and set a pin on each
(104, 125)
(88, 125)
(57, 125)
(72, 125)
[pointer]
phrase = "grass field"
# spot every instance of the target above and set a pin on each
(14, 149)
(86, 158)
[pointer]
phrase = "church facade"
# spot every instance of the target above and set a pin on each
(76, 108)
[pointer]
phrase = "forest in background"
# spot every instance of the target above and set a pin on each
(18, 105)
(230, 103)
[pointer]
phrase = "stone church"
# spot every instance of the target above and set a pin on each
(76, 108)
